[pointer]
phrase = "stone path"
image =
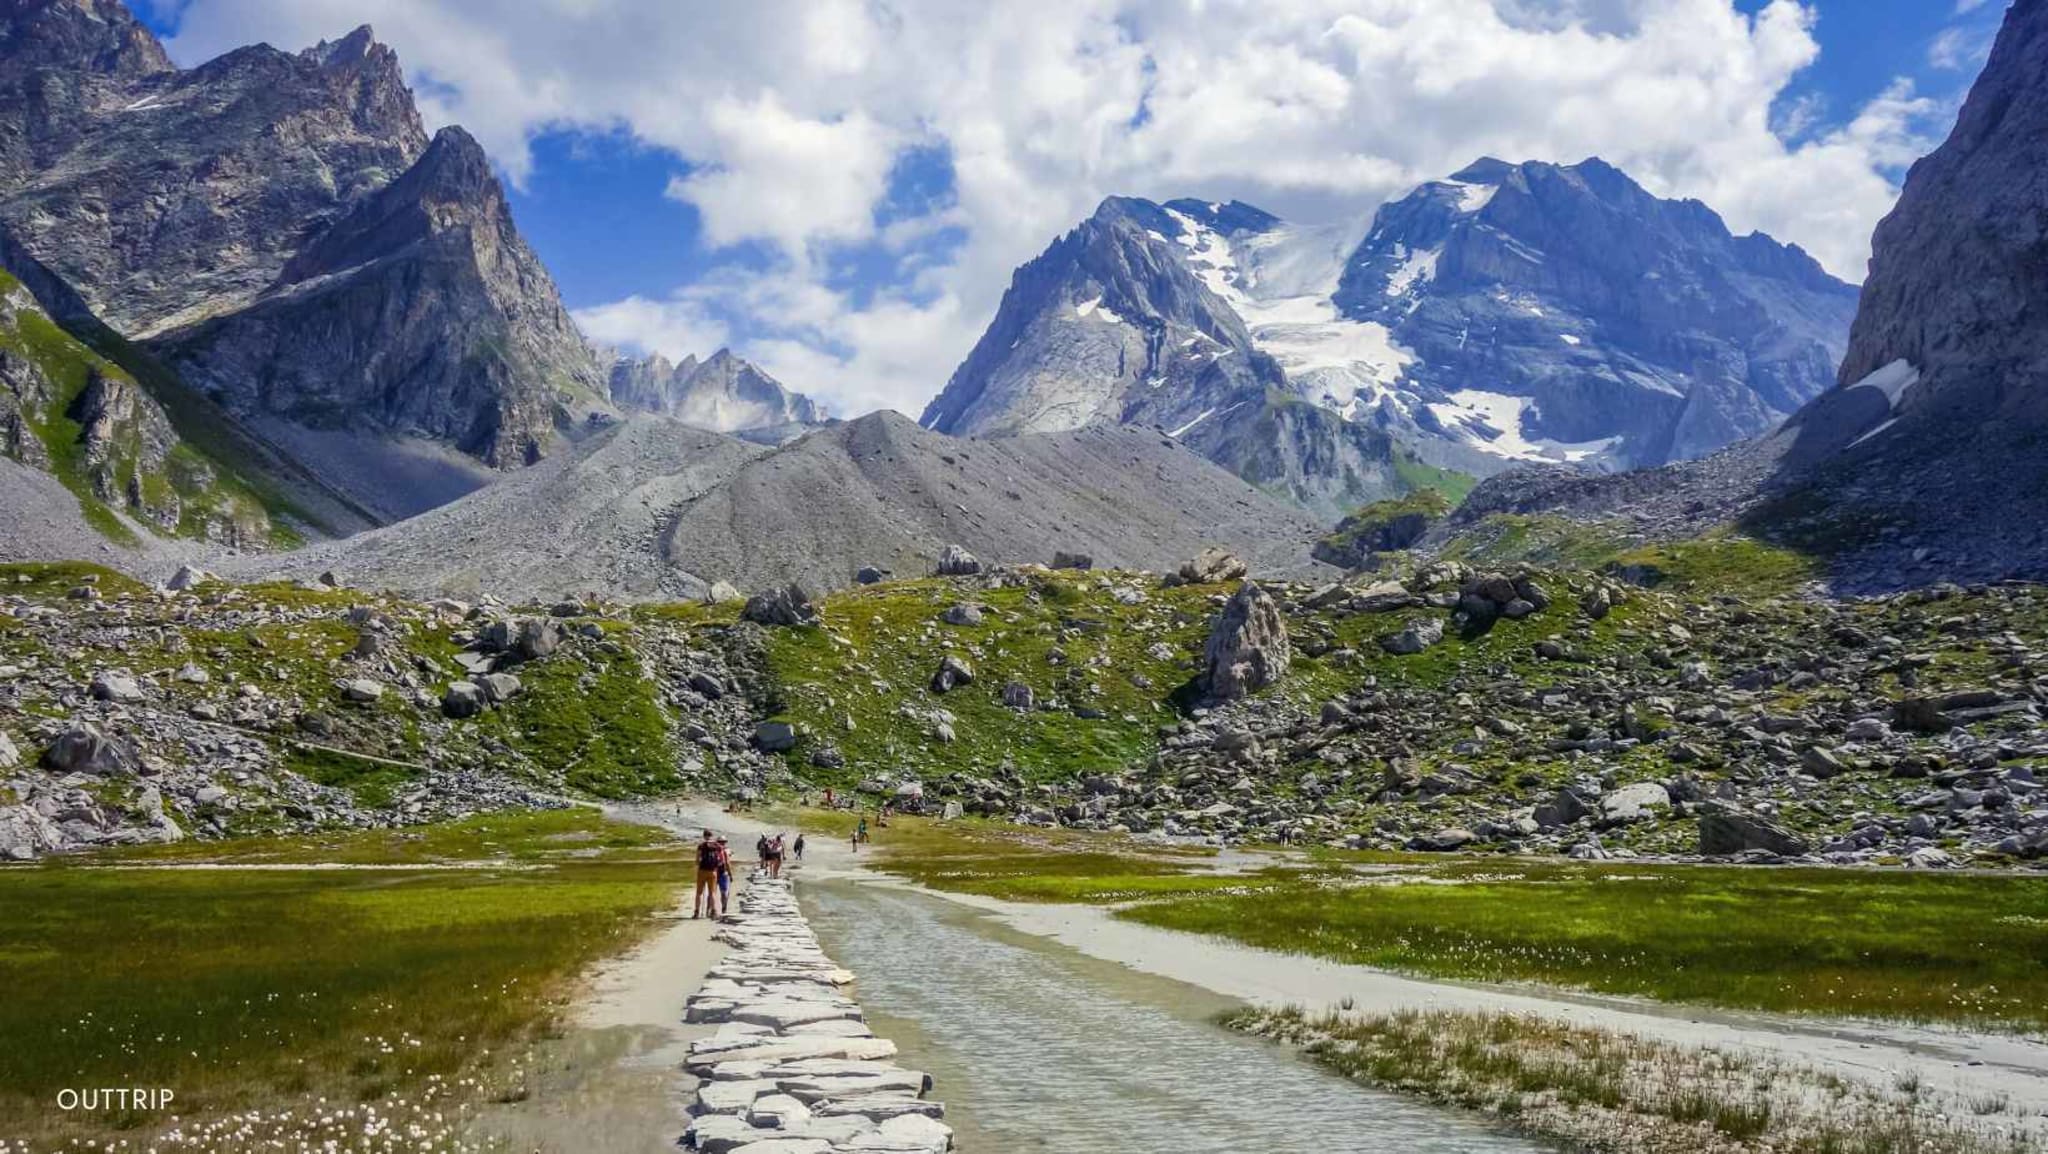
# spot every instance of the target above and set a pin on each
(793, 1068)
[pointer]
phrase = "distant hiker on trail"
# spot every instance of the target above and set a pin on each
(774, 857)
(860, 832)
(761, 849)
(799, 847)
(707, 877)
(724, 878)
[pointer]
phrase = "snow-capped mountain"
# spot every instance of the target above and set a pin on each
(1564, 313)
(1126, 320)
(1512, 313)
(724, 394)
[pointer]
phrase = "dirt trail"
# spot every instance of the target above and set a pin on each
(614, 1082)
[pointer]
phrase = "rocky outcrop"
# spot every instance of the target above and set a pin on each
(725, 394)
(64, 409)
(787, 606)
(278, 228)
(1247, 649)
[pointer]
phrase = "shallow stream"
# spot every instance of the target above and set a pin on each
(1038, 1047)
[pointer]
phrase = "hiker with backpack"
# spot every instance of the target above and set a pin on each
(724, 878)
(707, 876)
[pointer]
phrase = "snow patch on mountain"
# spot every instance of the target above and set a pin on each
(1493, 422)
(1280, 281)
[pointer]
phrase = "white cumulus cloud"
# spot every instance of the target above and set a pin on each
(792, 114)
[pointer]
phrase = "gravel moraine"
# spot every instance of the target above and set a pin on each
(793, 1068)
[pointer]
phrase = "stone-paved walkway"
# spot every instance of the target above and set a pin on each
(793, 1068)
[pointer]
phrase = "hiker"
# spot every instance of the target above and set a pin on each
(860, 832)
(799, 847)
(724, 878)
(774, 857)
(707, 876)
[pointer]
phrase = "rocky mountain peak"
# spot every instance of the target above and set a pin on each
(96, 36)
(1607, 326)
(355, 46)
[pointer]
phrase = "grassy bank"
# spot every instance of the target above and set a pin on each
(1961, 948)
(400, 993)
(1594, 1090)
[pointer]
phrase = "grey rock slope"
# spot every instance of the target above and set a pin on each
(725, 394)
(1115, 324)
(881, 491)
(652, 508)
(1934, 435)
(279, 228)
(1564, 313)
(587, 519)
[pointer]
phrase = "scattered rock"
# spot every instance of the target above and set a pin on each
(1414, 638)
(1212, 566)
(787, 606)
(958, 562)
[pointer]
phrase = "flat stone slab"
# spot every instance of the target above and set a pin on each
(793, 1067)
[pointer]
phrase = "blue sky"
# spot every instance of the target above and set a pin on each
(839, 188)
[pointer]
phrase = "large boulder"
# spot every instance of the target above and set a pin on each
(1247, 648)
(84, 749)
(1414, 638)
(117, 687)
(499, 687)
(26, 834)
(1062, 559)
(774, 736)
(188, 577)
(958, 562)
(1724, 832)
(786, 606)
(953, 673)
(1635, 802)
(1213, 565)
(463, 699)
(362, 690)
(722, 592)
(9, 755)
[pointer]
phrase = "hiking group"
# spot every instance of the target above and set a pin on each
(714, 869)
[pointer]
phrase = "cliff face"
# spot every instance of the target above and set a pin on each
(1934, 435)
(421, 310)
(1958, 283)
(278, 228)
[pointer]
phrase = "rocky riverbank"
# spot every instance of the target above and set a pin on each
(793, 1068)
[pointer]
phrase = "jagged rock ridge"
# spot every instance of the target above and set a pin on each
(725, 394)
